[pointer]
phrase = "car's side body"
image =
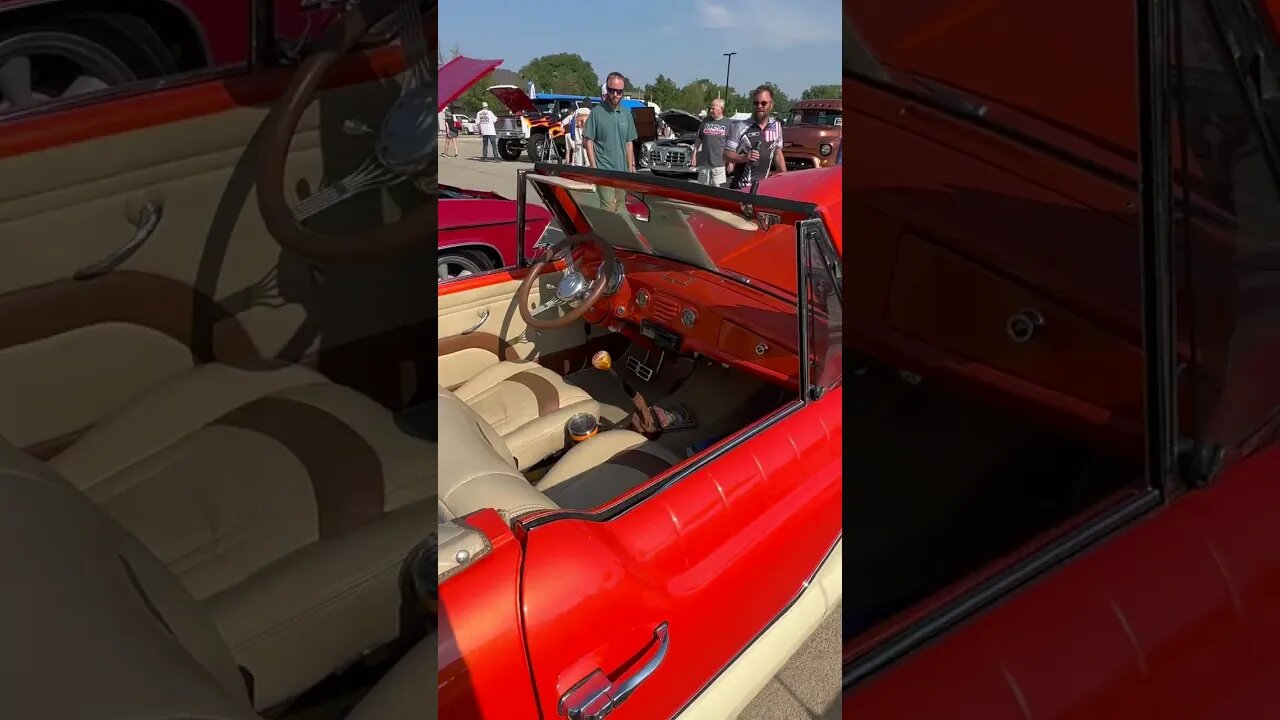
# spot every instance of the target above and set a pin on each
(486, 222)
(970, 180)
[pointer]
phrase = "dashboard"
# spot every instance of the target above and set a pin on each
(687, 310)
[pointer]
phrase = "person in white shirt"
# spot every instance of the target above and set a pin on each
(573, 124)
(487, 123)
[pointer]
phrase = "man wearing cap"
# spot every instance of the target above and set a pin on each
(488, 132)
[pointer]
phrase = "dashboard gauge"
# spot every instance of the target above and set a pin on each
(642, 298)
(616, 277)
(688, 317)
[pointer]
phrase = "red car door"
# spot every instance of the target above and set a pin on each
(662, 596)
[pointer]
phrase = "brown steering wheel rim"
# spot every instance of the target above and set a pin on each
(596, 291)
(369, 246)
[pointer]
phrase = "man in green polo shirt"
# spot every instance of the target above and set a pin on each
(610, 130)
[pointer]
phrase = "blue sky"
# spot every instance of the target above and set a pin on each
(795, 48)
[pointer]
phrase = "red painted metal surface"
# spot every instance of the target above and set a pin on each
(716, 556)
(480, 644)
(488, 220)
(1175, 617)
(718, 302)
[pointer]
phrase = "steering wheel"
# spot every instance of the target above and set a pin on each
(405, 146)
(573, 286)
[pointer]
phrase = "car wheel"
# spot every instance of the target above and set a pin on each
(509, 151)
(452, 264)
(87, 53)
(538, 145)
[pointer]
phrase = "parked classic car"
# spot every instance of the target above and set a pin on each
(1075, 242)
(69, 51)
(706, 473)
(215, 480)
(478, 228)
(812, 133)
(673, 157)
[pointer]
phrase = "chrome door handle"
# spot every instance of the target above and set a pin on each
(151, 214)
(595, 696)
(484, 315)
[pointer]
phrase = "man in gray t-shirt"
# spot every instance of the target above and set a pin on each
(709, 150)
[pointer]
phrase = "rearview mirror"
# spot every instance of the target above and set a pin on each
(637, 208)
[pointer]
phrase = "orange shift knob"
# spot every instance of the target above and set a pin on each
(601, 360)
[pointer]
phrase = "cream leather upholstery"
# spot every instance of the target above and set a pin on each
(282, 501)
(528, 406)
(477, 470)
(604, 467)
(98, 628)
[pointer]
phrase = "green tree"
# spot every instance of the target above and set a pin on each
(562, 73)
(663, 91)
(815, 92)
(469, 101)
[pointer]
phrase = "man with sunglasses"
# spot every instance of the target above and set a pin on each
(610, 130)
(755, 146)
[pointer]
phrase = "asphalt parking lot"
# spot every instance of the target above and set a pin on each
(469, 172)
(809, 685)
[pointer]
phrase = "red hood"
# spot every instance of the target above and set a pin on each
(459, 74)
(514, 98)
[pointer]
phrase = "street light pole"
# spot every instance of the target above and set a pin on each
(728, 64)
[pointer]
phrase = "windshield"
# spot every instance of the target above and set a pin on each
(816, 117)
(654, 223)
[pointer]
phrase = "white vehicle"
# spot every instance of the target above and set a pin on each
(469, 126)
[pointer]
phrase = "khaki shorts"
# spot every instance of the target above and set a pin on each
(712, 175)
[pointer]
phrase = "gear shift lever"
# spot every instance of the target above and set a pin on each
(642, 420)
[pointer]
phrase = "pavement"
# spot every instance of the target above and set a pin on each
(469, 172)
(808, 686)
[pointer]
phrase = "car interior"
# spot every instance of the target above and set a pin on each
(660, 361)
(216, 497)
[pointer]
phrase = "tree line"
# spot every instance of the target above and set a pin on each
(571, 74)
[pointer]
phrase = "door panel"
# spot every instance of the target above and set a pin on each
(208, 284)
(717, 557)
(462, 356)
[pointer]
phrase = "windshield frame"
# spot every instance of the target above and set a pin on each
(788, 212)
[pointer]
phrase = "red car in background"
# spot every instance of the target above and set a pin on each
(478, 227)
(57, 50)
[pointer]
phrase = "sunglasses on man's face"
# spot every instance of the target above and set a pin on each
(763, 103)
(615, 91)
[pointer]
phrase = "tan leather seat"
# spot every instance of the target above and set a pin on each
(477, 469)
(285, 503)
(97, 627)
(528, 406)
(604, 467)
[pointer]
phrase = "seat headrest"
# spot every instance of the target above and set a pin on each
(94, 624)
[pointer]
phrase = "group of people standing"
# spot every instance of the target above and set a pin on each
(726, 153)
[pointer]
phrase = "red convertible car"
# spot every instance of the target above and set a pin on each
(478, 228)
(640, 450)
(1067, 251)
